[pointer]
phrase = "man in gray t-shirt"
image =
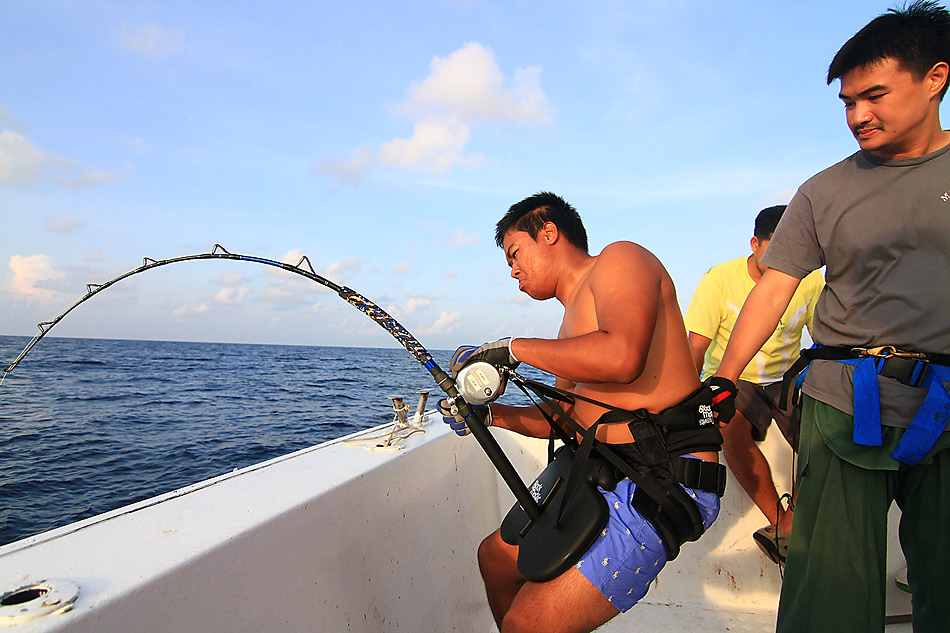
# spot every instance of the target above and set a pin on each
(875, 406)
(882, 228)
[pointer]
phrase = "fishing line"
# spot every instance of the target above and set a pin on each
(304, 268)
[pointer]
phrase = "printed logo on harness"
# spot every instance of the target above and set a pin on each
(536, 491)
(706, 415)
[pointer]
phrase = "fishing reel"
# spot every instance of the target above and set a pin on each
(480, 383)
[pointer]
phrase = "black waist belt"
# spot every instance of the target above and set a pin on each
(915, 369)
(908, 368)
(696, 474)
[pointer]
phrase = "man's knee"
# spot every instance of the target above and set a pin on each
(495, 556)
(490, 547)
(518, 621)
(567, 603)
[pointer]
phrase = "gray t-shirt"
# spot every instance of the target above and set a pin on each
(882, 230)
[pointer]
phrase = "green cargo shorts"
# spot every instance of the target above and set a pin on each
(836, 568)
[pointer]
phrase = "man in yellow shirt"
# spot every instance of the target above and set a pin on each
(710, 318)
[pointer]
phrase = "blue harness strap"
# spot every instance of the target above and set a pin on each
(931, 419)
(929, 422)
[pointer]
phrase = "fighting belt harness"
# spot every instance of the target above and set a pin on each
(574, 511)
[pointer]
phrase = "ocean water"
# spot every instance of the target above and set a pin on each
(90, 425)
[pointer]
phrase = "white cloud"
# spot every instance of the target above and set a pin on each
(394, 311)
(518, 299)
(93, 257)
(150, 39)
(189, 311)
(281, 294)
(416, 303)
(232, 278)
(336, 270)
(23, 163)
(348, 172)
(445, 324)
(292, 256)
(469, 85)
(63, 225)
(461, 238)
(320, 308)
(10, 122)
(77, 177)
(435, 147)
(31, 271)
(231, 296)
(401, 268)
(431, 224)
(290, 289)
(137, 144)
(463, 89)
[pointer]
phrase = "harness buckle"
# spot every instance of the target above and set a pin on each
(908, 368)
(886, 351)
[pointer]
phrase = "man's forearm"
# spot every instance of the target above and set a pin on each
(698, 346)
(595, 357)
(524, 420)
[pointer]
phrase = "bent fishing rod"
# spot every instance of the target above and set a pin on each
(304, 268)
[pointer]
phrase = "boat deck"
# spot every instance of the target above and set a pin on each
(343, 538)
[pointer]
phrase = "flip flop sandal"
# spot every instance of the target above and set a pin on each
(773, 542)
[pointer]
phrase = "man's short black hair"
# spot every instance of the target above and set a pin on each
(530, 215)
(917, 36)
(767, 220)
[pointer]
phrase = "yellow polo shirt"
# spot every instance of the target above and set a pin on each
(715, 306)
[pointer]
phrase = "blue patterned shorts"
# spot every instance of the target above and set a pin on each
(628, 554)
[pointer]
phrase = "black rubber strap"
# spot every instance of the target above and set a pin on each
(700, 475)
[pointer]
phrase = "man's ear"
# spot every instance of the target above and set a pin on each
(550, 233)
(754, 243)
(938, 77)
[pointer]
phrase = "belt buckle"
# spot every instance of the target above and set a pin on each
(903, 369)
(886, 351)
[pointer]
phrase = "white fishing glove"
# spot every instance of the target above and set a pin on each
(497, 353)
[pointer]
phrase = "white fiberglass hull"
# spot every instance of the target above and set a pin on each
(342, 538)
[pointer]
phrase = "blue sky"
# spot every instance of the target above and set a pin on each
(384, 140)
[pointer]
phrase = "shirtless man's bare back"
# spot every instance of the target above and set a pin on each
(622, 342)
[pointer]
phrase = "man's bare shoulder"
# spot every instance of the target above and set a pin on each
(626, 254)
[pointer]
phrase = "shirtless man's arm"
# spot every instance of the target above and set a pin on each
(526, 420)
(623, 285)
